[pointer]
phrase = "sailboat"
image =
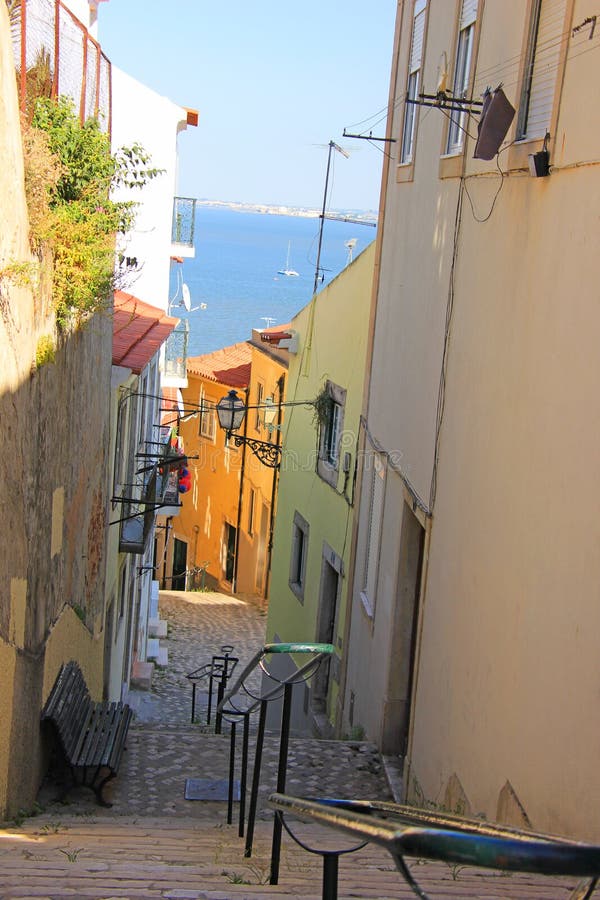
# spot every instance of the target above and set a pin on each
(287, 270)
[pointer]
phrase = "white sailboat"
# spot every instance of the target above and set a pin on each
(287, 270)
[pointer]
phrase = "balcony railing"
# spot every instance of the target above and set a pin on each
(184, 219)
(176, 352)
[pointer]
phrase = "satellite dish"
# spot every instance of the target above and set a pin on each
(185, 297)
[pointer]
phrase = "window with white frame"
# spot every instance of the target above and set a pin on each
(414, 80)
(462, 70)
(332, 424)
(298, 555)
(207, 423)
(373, 495)
(542, 61)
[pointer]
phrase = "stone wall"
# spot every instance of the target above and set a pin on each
(53, 483)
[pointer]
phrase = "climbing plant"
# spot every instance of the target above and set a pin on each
(69, 175)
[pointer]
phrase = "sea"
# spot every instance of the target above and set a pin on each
(234, 282)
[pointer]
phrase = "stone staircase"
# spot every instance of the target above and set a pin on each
(124, 859)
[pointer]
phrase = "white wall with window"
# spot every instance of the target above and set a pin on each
(330, 437)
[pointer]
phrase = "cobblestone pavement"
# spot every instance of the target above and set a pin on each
(164, 749)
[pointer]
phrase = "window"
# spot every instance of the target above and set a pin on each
(332, 422)
(251, 498)
(542, 60)
(260, 392)
(207, 424)
(298, 555)
(414, 80)
(462, 69)
(373, 494)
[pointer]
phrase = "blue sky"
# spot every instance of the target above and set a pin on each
(274, 81)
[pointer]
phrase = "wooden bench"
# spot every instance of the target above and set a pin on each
(91, 736)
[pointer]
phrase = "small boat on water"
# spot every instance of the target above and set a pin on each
(287, 270)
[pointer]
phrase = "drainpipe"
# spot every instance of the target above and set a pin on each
(280, 387)
(240, 498)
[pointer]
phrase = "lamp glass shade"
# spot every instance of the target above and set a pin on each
(231, 411)
(270, 411)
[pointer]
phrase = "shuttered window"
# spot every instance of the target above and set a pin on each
(414, 79)
(541, 68)
(462, 68)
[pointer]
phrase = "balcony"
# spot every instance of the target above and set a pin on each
(182, 232)
(174, 365)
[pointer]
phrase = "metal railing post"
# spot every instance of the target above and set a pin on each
(281, 778)
(260, 739)
(231, 774)
(244, 773)
(331, 863)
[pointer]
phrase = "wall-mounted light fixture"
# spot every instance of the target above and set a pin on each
(231, 412)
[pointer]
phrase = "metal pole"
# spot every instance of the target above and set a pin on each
(260, 739)
(281, 777)
(244, 773)
(331, 146)
(231, 774)
(219, 715)
(330, 876)
(193, 700)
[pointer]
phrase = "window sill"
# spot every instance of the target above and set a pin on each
(405, 172)
(451, 165)
(297, 590)
(327, 472)
(518, 155)
(367, 606)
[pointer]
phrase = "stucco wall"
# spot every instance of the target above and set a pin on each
(332, 346)
(506, 676)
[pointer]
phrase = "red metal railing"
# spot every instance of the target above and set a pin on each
(56, 55)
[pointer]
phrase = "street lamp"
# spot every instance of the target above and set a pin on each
(231, 412)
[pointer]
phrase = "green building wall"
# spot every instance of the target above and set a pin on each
(332, 346)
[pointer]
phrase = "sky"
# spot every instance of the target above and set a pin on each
(274, 81)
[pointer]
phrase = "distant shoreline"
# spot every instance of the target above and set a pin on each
(300, 211)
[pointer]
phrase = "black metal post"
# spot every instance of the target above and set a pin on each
(330, 876)
(219, 716)
(244, 773)
(260, 739)
(193, 700)
(210, 693)
(231, 774)
(281, 777)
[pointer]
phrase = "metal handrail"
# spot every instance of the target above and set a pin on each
(226, 707)
(407, 831)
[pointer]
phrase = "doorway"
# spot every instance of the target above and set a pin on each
(397, 709)
(230, 540)
(179, 565)
(329, 590)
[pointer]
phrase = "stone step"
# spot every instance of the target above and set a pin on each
(157, 628)
(49, 858)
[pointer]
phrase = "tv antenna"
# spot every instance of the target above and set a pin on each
(350, 245)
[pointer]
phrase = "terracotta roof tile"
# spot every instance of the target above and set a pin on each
(229, 366)
(139, 329)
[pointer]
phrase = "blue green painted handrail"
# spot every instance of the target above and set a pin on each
(405, 831)
(317, 650)
(297, 648)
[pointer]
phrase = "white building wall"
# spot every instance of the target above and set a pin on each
(140, 115)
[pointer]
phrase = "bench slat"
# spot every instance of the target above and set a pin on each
(91, 735)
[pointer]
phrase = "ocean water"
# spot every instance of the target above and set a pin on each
(234, 280)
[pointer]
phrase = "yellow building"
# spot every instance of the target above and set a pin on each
(221, 536)
(477, 556)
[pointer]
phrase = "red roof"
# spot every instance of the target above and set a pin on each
(138, 331)
(229, 366)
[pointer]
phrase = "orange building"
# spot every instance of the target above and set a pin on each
(221, 536)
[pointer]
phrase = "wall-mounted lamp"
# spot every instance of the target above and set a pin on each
(231, 412)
